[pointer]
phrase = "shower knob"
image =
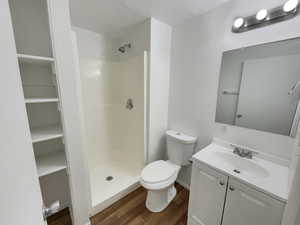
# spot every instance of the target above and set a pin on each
(129, 104)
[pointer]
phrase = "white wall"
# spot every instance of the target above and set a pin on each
(158, 88)
(97, 57)
(63, 51)
(196, 57)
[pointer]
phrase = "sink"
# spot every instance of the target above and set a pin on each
(242, 166)
(261, 172)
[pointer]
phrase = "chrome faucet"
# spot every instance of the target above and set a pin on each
(244, 153)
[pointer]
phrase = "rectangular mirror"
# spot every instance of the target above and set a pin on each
(259, 87)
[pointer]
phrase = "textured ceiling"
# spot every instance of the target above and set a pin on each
(113, 16)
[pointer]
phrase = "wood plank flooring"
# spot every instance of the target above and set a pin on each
(131, 210)
(61, 218)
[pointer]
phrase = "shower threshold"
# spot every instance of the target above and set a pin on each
(111, 183)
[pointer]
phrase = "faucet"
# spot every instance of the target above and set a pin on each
(242, 152)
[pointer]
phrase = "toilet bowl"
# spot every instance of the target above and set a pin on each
(159, 176)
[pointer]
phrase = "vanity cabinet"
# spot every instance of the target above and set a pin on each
(216, 199)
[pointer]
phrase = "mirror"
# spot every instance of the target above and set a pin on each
(259, 87)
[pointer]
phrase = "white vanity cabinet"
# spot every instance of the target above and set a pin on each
(216, 199)
(207, 196)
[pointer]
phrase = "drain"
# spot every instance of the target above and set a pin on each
(109, 178)
(236, 171)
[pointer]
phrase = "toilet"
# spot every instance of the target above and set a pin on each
(159, 176)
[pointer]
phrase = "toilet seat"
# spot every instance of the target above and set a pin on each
(159, 174)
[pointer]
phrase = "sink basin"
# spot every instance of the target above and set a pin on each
(242, 166)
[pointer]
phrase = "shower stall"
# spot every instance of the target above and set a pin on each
(113, 108)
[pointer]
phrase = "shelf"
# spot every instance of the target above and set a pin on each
(51, 163)
(40, 100)
(35, 59)
(45, 133)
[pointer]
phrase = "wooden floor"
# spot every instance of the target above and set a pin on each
(61, 218)
(131, 210)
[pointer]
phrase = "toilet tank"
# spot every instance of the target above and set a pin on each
(180, 147)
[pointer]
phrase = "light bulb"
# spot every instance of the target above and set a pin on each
(290, 5)
(262, 14)
(238, 22)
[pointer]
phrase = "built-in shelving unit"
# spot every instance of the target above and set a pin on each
(46, 133)
(40, 100)
(35, 59)
(38, 73)
(51, 163)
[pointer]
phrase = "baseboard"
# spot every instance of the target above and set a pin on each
(183, 184)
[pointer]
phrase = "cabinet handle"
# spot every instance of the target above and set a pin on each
(222, 183)
(231, 188)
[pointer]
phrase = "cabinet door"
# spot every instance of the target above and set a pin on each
(208, 190)
(246, 206)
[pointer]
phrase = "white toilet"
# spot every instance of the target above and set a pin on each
(159, 177)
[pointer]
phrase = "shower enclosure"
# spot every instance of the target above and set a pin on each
(113, 103)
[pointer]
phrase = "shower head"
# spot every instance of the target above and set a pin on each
(123, 48)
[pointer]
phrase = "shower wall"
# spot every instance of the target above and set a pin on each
(113, 133)
(129, 123)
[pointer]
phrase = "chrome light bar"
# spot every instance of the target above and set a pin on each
(266, 17)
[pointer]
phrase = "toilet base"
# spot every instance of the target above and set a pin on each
(158, 200)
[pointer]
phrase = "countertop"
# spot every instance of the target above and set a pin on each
(274, 178)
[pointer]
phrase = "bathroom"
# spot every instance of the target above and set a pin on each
(133, 112)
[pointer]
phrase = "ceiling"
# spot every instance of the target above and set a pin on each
(112, 16)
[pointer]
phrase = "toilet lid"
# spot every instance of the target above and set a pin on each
(158, 171)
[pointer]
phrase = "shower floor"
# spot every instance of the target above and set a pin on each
(125, 178)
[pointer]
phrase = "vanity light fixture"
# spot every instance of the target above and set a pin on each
(266, 17)
(238, 22)
(261, 14)
(290, 5)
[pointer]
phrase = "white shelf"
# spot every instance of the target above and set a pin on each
(51, 163)
(35, 59)
(40, 100)
(45, 133)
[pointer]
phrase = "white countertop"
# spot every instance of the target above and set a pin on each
(273, 180)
